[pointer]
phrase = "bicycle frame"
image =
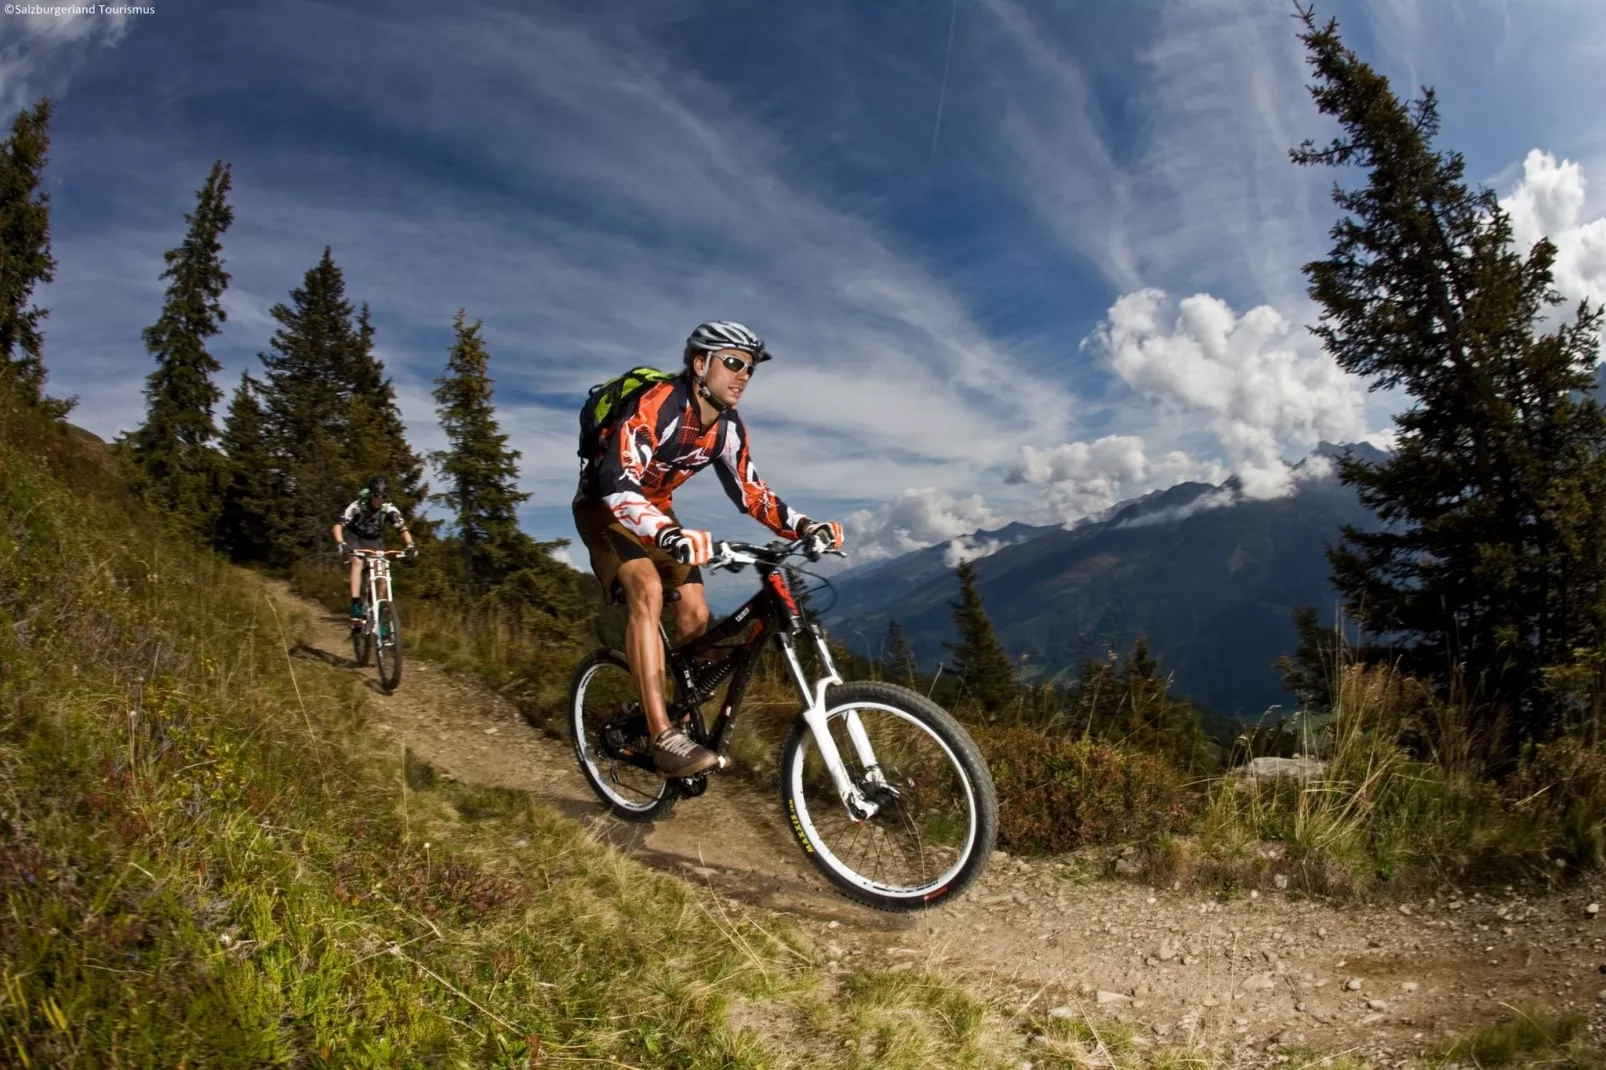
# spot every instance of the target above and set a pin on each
(376, 578)
(772, 612)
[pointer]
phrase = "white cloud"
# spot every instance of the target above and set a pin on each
(1549, 202)
(916, 519)
(969, 548)
(43, 52)
(1215, 499)
(1081, 479)
(1187, 180)
(1260, 393)
(876, 355)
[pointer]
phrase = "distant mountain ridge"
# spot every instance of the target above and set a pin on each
(1212, 583)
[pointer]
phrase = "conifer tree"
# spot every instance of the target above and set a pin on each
(480, 470)
(1486, 566)
(306, 401)
(173, 449)
(1310, 674)
(1098, 702)
(902, 655)
(984, 670)
(1127, 701)
(249, 512)
(25, 256)
(375, 434)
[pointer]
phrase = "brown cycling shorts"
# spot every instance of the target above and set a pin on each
(611, 544)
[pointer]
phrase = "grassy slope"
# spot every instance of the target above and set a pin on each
(203, 862)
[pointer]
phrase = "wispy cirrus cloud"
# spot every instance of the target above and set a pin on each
(590, 184)
(688, 213)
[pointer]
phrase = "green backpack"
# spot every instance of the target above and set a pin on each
(607, 400)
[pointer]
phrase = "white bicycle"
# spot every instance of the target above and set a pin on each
(883, 790)
(381, 630)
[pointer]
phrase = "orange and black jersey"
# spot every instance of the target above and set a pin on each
(658, 444)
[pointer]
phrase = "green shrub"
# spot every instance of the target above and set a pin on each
(1057, 794)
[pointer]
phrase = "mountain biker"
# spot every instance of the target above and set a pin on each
(366, 518)
(625, 516)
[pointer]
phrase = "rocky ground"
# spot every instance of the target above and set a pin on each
(1252, 975)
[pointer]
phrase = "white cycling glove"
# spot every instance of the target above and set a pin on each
(820, 535)
(687, 545)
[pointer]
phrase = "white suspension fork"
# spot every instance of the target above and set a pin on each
(855, 727)
(813, 696)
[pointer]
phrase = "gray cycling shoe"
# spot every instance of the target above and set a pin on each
(674, 753)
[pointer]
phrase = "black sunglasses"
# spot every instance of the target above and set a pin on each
(736, 365)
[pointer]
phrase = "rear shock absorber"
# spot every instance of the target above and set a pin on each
(710, 677)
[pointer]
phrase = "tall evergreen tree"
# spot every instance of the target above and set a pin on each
(375, 434)
(173, 450)
(481, 471)
(901, 655)
(984, 670)
(306, 401)
(1487, 566)
(249, 512)
(25, 256)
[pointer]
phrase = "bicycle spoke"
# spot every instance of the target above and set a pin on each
(924, 813)
(608, 705)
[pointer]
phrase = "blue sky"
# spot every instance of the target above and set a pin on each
(1082, 283)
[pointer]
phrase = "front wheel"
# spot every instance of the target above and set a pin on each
(387, 647)
(937, 811)
(360, 639)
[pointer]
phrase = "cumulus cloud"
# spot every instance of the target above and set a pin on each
(1549, 203)
(1080, 479)
(1259, 391)
(916, 519)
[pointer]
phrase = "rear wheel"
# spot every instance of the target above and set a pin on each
(388, 648)
(609, 731)
(937, 815)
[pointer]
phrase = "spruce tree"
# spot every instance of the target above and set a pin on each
(902, 655)
(179, 469)
(480, 470)
(375, 434)
(306, 400)
(984, 670)
(1097, 706)
(25, 256)
(250, 510)
(1486, 567)
(1310, 674)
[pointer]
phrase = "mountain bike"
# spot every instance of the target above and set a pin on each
(381, 630)
(882, 789)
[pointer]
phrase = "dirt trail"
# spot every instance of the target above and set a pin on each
(1248, 973)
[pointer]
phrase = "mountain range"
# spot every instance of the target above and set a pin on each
(1209, 577)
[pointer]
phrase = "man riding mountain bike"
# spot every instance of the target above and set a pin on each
(367, 517)
(624, 513)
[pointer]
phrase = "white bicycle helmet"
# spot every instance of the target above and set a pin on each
(715, 335)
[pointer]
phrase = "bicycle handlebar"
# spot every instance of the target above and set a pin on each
(378, 553)
(736, 555)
